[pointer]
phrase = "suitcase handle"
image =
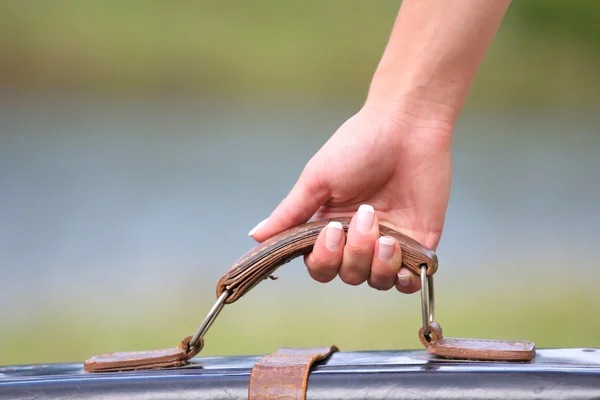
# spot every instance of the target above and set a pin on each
(260, 262)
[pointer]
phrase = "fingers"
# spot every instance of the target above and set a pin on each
(363, 232)
(358, 256)
(301, 203)
(386, 271)
(325, 259)
(363, 256)
(350, 258)
(407, 282)
(386, 263)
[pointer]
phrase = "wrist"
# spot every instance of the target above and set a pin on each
(412, 107)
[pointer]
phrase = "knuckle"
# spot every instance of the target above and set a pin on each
(322, 277)
(383, 274)
(409, 289)
(353, 277)
(392, 268)
(380, 284)
(361, 250)
(324, 267)
(324, 264)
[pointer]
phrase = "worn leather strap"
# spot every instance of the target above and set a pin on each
(476, 349)
(134, 360)
(284, 374)
(260, 262)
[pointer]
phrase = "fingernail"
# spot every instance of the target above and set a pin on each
(365, 218)
(333, 235)
(257, 227)
(404, 277)
(386, 248)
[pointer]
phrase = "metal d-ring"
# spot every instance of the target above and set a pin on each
(210, 318)
(427, 300)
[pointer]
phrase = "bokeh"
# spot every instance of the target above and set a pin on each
(140, 141)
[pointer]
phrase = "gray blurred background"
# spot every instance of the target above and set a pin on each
(141, 141)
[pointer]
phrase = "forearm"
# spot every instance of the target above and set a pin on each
(433, 54)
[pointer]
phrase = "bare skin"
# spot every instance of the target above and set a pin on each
(390, 163)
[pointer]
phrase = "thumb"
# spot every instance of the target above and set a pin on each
(303, 201)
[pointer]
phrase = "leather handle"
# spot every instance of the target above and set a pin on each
(260, 262)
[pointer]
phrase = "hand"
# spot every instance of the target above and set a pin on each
(392, 169)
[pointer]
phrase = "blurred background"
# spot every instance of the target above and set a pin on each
(140, 141)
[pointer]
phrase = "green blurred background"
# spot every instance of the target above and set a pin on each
(141, 140)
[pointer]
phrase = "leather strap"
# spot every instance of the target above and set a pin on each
(284, 374)
(134, 360)
(476, 349)
(260, 262)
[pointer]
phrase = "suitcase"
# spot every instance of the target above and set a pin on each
(448, 368)
(552, 374)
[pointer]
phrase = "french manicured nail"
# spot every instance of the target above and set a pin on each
(404, 277)
(257, 227)
(386, 248)
(365, 218)
(333, 235)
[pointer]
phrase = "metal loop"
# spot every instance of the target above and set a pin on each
(210, 318)
(427, 300)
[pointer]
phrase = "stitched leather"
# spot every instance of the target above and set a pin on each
(476, 349)
(284, 374)
(134, 360)
(260, 262)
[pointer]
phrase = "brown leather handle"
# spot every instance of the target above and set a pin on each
(260, 262)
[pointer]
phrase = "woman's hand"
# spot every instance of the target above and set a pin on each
(377, 168)
(393, 157)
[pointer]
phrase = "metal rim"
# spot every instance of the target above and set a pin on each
(427, 300)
